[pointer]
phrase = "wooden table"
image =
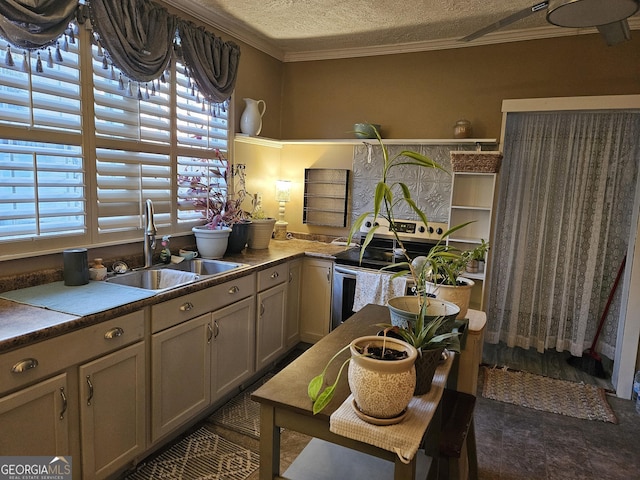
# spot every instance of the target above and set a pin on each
(284, 402)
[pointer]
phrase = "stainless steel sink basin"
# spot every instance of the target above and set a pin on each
(201, 266)
(155, 279)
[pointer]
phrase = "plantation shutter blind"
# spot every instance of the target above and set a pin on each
(198, 170)
(43, 100)
(42, 190)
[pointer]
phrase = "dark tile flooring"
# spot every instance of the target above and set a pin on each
(520, 443)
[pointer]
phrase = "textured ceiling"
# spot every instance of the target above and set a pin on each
(292, 27)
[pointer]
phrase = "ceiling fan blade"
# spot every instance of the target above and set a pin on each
(506, 21)
(616, 32)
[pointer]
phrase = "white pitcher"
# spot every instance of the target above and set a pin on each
(251, 120)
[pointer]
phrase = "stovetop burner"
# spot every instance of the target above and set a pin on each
(416, 237)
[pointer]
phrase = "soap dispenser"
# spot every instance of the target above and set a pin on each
(98, 271)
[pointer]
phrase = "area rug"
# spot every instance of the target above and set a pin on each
(547, 394)
(200, 455)
(241, 414)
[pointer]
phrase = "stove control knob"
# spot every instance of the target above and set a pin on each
(367, 224)
(430, 229)
(439, 231)
(421, 229)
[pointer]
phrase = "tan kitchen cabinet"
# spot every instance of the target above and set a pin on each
(186, 377)
(271, 306)
(112, 411)
(35, 420)
(315, 299)
(292, 325)
(233, 354)
(181, 374)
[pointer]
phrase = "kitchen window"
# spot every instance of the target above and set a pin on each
(82, 148)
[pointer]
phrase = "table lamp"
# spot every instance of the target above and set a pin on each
(283, 195)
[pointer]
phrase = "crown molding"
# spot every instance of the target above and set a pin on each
(240, 32)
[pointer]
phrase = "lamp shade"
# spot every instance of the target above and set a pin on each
(283, 190)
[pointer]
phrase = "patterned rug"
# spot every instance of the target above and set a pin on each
(200, 455)
(241, 414)
(547, 394)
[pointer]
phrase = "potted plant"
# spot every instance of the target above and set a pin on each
(225, 219)
(261, 227)
(381, 378)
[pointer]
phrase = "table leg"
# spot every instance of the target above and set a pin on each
(269, 444)
(404, 471)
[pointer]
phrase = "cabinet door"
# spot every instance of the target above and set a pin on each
(315, 299)
(181, 374)
(292, 326)
(112, 410)
(272, 308)
(233, 346)
(34, 420)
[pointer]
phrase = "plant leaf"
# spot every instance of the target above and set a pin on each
(325, 397)
(314, 386)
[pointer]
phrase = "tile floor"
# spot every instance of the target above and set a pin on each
(517, 443)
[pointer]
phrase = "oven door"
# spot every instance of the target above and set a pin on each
(343, 292)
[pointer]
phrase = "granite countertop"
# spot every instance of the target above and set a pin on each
(22, 324)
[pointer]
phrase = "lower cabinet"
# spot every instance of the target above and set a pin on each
(112, 410)
(35, 420)
(292, 323)
(233, 353)
(315, 299)
(271, 313)
(180, 374)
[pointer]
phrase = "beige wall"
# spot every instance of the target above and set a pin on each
(421, 95)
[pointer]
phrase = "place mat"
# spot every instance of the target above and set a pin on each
(403, 438)
(200, 455)
(79, 300)
(546, 394)
(241, 414)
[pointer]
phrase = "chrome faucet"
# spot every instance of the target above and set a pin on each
(149, 235)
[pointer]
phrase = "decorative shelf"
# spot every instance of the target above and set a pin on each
(326, 197)
(270, 142)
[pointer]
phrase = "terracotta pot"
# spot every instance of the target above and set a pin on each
(260, 233)
(382, 389)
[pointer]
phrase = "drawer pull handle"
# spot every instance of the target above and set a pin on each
(185, 307)
(275, 275)
(217, 330)
(24, 365)
(114, 333)
(64, 403)
(209, 333)
(233, 290)
(90, 391)
(261, 309)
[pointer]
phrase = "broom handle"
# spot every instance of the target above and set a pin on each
(606, 307)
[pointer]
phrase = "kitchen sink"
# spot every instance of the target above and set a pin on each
(201, 266)
(155, 279)
(166, 277)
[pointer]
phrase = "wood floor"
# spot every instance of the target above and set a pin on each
(550, 364)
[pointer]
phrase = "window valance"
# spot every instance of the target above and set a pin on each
(138, 37)
(33, 24)
(213, 64)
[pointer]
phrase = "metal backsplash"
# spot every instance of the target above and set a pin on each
(430, 188)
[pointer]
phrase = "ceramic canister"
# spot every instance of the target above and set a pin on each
(75, 267)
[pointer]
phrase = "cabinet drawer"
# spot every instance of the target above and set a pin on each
(273, 276)
(178, 310)
(34, 362)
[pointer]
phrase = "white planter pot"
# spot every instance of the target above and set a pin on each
(382, 389)
(211, 243)
(460, 295)
(404, 310)
(260, 233)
